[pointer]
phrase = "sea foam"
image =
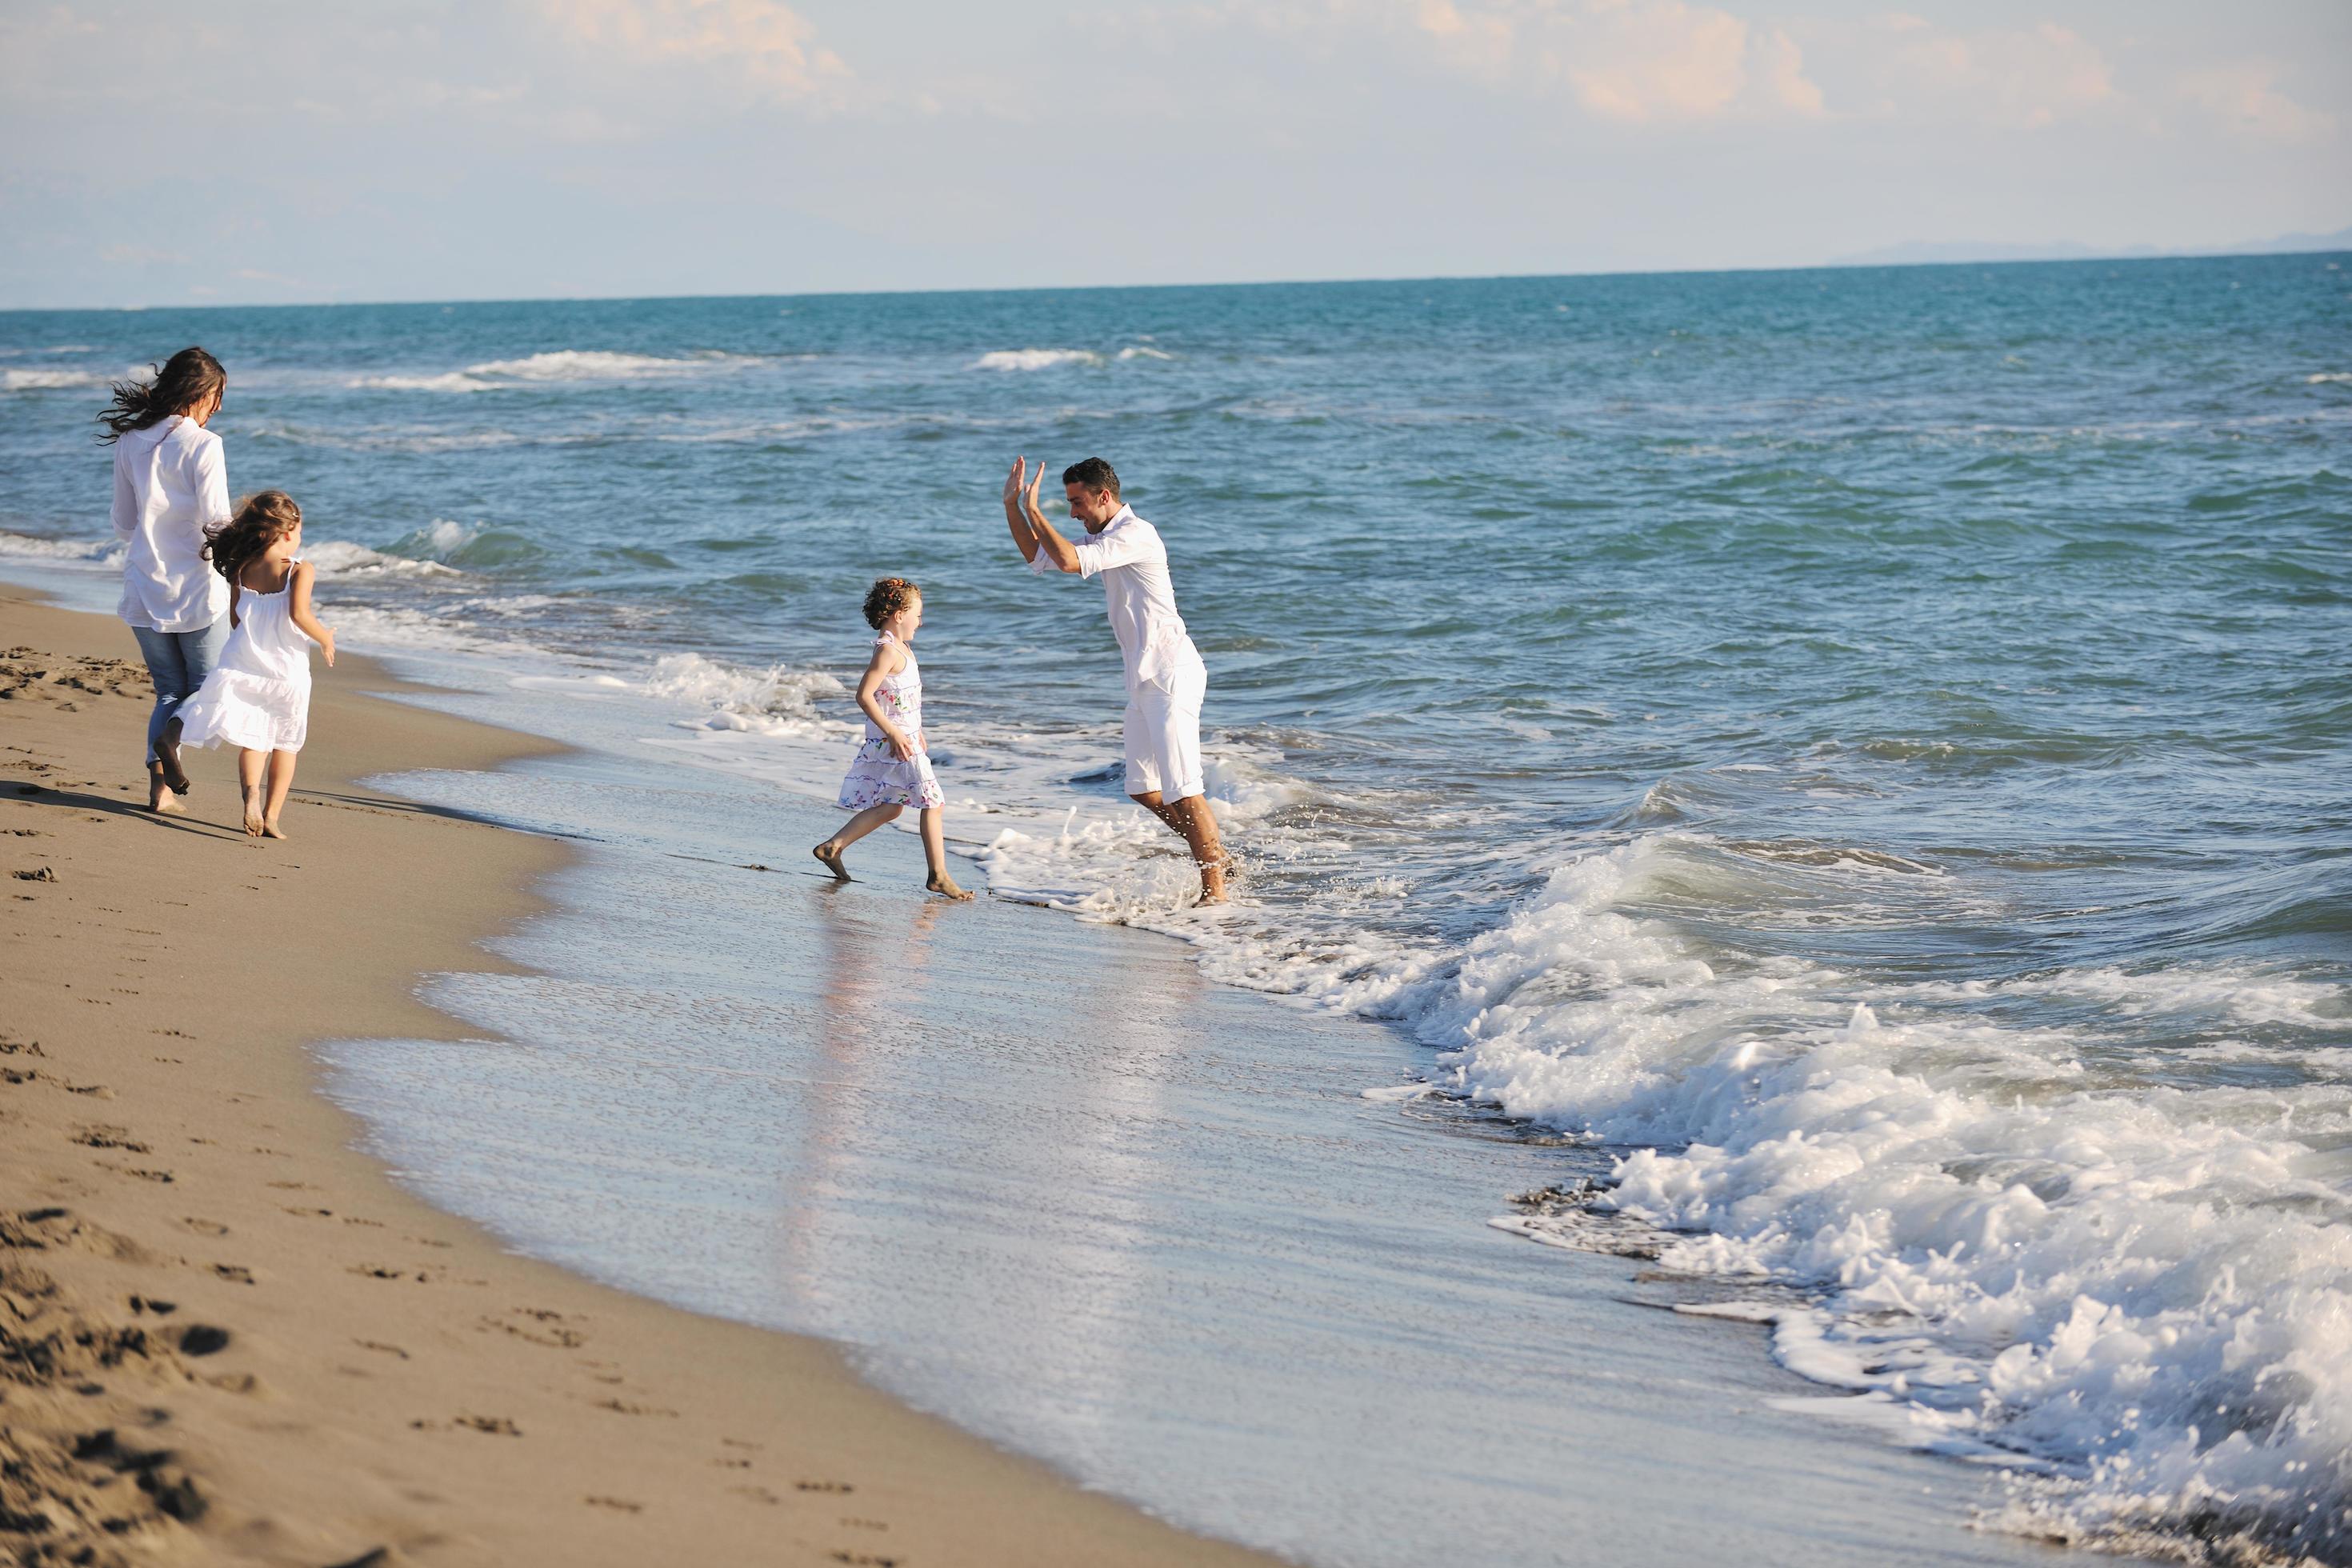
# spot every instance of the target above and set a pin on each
(559, 367)
(1034, 359)
(725, 696)
(342, 558)
(2149, 1294)
(47, 380)
(72, 551)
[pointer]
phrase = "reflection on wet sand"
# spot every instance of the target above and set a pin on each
(1043, 1180)
(1062, 1114)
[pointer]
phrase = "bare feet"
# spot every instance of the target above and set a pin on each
(253, 822)
(1212, 882)
(830, 853)
(160, 798)
(167, 758)
(269, 829)
(945, 887)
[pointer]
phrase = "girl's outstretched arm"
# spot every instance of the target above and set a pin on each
(884, 663)
(298, 610)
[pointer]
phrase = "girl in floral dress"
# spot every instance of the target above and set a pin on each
(892, 769)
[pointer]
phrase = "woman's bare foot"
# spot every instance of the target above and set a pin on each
(945, 886)
(253, 822)
(160, 798)
(269, 829)
(167, 759)
(830, 853)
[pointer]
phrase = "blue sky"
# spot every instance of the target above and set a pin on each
(365, 150)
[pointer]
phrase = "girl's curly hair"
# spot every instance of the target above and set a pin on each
(886, 598)
(266, 517)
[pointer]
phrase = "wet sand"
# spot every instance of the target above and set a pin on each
(225, 1335)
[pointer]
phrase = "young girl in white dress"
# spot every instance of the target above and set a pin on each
(892, 769)
(258, 699)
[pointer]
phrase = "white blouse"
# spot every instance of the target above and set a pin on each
(171, 482)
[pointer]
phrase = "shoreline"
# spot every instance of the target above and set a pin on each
(231, 1336)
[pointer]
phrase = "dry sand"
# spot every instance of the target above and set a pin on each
(225, 1335)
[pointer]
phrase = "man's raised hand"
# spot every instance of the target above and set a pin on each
(1034, 480)
(1013, 480)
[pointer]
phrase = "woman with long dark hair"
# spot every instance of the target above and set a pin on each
(171, 485)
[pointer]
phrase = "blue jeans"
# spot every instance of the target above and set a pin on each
(177, 662)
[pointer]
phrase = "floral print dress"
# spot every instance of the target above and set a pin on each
(877, 776)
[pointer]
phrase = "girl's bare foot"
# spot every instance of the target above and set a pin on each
(253, 822)
(269, 829)
(830, 853)
(945, 886)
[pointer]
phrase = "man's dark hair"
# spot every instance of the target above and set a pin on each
(1094, 474)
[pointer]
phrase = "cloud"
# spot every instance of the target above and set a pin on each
(1632, 61)
(1663, 60)
(2026, 78)
(770, 47)
(131, 254)
(1784, 73)
(2245, 97)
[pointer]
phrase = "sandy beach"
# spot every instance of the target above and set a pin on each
(225, 1335)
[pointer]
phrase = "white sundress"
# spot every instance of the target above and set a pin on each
(877, 776)
(258, 696)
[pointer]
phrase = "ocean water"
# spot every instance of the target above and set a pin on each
(1858, 758)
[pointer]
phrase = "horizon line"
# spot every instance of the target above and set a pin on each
(1834, 266)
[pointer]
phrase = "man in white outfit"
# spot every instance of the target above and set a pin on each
(1165, 678)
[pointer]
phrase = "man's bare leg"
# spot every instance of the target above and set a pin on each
(1193, 822)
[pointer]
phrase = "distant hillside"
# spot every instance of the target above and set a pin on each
(1924, 251)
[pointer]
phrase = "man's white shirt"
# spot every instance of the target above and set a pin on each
(1133, 566)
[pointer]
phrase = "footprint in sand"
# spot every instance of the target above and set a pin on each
(104, 1137)
(374, 1557)
(495, 1426)
(543, 1328)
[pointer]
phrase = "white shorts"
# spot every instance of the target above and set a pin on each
(1164, 733)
